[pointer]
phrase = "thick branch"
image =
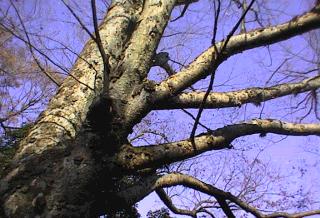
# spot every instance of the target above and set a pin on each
(138, 58)
(202, 66)
(168, 202)
(103, 54)
(157, 155)
(225, 207)
(237, 98)
(183, 2)
(186, 4)
(139, 190)
(175, 179)
(190, 182)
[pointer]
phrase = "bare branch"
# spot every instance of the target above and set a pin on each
(101, 49)
(175, 179)
(31, 50)
(294, 215)
(168, 202)
(193, 183)
(225, 207)
(157, 155)
(47, 57)
(79, 20)
(183, 2)
(212, 74)
(202, 66)
(186, 4)
(219, 55)
(254, 95)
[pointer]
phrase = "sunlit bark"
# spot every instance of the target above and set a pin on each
(255, 95)
(157, 155)
(202, 65)
(47, 152)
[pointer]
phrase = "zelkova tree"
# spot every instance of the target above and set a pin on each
(76, 161)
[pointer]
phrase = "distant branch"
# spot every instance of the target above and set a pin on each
(83, 26)
(43, 54)
(31, 50)
(175, 179)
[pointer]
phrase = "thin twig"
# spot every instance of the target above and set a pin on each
(79, 20)
(219, 56)
(44, 55)
(201, 108)
(30, 48)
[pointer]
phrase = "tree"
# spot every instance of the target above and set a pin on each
(20, 74)
(76, 161)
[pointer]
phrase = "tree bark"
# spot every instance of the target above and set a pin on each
(55, 169)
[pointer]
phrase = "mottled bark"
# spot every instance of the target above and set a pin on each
(154, 156)
(54, 171)
(254, 95)
(202, 66)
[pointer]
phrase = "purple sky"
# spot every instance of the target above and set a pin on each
(251, 68)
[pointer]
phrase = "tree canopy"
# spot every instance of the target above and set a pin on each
(180, 98)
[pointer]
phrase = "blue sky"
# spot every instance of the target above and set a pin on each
(250, 68)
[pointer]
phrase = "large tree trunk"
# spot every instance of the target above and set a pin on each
(56, 169)
(64, 167)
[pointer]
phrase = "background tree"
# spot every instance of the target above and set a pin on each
(80, 159)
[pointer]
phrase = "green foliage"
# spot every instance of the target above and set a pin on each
(9, 145)
(12, 137)
(6, 154)
(130, 212)
(161, 213)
